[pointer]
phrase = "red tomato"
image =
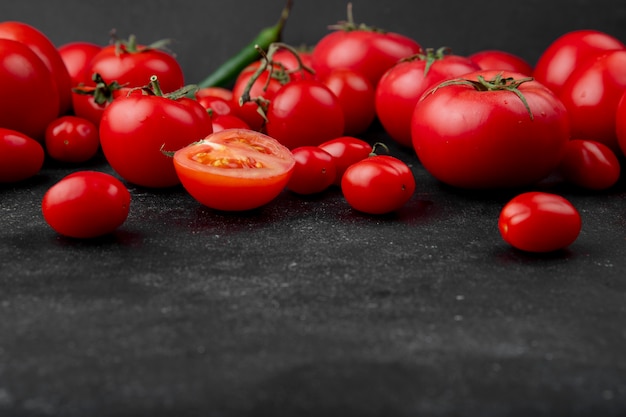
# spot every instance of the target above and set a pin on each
(86, 204)
(567, 52)
(72, 139)
(620, 123)
(216, 105)
(304, 112)
(356, 97)
(89, 102)
(135, 130)
(346, 150)
(365, 50)
(591, 95)
(21, 157)
(290, 63)
(220, 92)
(235, 169)
(132, 65)
(48, 53)
(379, 184)
(493, 59)
(314, 171)
(539, 222)
(478, 133)
(77, 57)
(227, 121)
(264, 88)
(28, 95)
(590, 164)
(400, 88)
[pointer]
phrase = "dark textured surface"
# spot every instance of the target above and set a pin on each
(305, 307)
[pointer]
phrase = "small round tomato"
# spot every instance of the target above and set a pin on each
(314, 171)
(356, 97)
(589, 164)
(539, 222)
(216, 105)
(76, 56)
(72, 139)
(234, 169)
(493, 59)
(21, 156)
(86, 204)
(346, 150)
(303, 113)
(227, 121)
(377, 185)
(221, 92)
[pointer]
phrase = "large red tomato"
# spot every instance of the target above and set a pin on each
(77, 58)
(369, 51)
(591, 95)
(28, 94)
(41, 45)
(490, 129)
(400, 88)
(567, 52)
(137, 129)
(234, 169)
(21, 156)
(494, 59)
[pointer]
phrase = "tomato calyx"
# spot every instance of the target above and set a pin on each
(131, 46)
(430, 55)
(349, 24)
(103, 92)
(498, 83)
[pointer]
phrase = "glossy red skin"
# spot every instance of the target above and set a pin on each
(135, 130)
(28, 94)
(85, 105)
(567, 52)
(620, 124)
(21, 157)
(493, 59)
(77, 58)
(590, 165)
(356, 97)
(291, 64)
(313, 172)
(591, 95)
(220, 92)
(86, 204)
(227, 121)
(134, 69)
(248, 111)
(346, 150)
(48, 53)
(370, 53)
(216, 105)
(401, 87)
(379, 184)
(304, 112)
(72, 139)
(539, 222)
(234, 169)
(486, 139)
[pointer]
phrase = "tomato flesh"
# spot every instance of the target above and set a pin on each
(234, 169)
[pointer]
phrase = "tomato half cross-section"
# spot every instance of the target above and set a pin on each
(234, 169)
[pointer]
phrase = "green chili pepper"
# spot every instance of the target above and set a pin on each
(226, 73)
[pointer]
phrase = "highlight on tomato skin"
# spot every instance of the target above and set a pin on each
(539, 222)
(234, 169)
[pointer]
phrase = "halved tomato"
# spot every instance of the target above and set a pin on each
(234, 169)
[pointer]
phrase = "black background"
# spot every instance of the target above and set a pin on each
(305, 307)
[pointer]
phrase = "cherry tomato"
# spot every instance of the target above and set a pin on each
(591, 95)
(43, 47)
(401, 87)
(220, 92)
(234, 169)
(539, 222)
(346, 150)
(477, 132)
(77, 57)
(86, 204)
(264, 87)
(21, 157)
(590, 164)
(379, 184)
(137, 129)
(216, 105)
(72, 139)
(356, 97)
(365, 50)
(132, 64)
(314, 171)
(304, 112)
(290, 62)
(493, 59)
(28, 94)
(227, 121)
(567, 52)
